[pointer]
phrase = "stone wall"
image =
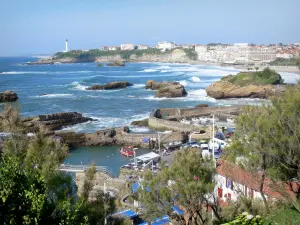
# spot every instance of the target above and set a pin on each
(115, 137)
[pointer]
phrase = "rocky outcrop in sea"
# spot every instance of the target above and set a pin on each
(8, 96)
(111, 85)
(224, 89)
(55, 121)
(167, 89)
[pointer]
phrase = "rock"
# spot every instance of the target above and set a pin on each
(116, 63)
(8, 96)
(55, 121)
(166, 89)
(42, 94)
(201, 106)
(112, 85)
(126, 129)
(140, 123)
(224, 89)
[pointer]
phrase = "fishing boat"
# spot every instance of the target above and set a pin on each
(127, 151)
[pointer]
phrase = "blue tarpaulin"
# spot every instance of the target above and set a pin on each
(135, 187)
(126, 213)
(158, 221)
(145, 140)
(177, 210)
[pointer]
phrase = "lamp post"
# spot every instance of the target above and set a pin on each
(213, 137)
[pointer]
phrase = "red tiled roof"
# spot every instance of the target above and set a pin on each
(251, 180)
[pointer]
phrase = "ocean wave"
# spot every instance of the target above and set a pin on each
(139, 129)
(195, 79)
(148, 70)
(24, 72)
(105, 122)
(54, 96)
(183, 82)
(138, 86)
(76, 85)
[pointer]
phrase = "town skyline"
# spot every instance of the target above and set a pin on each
(34, 27)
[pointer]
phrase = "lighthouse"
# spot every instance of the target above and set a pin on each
(66, 45)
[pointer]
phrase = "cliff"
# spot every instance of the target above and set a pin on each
(263, 84)
(149, 55)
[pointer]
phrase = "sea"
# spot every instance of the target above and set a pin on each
(45, 89)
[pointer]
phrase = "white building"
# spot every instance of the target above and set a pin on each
(284, 55)
(143, 47)
(232, 181)
(262, 54)
(127, 46)
(113, 48)
(202, 52)
(165, 45)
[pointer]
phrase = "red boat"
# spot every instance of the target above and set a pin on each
(127, 151)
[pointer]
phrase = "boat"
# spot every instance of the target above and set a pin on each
(128, 151)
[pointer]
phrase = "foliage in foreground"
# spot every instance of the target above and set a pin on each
(187, 183)
(267, 143)
(246, 219)
(34, 191)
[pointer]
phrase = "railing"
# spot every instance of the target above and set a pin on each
(82, 168)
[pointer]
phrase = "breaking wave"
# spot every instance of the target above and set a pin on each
(78, 86)
(195, 79)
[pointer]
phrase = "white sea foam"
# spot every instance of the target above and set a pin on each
(165, 132)
(55, 96)
(105, 122)
(139, 129)
(23, 72)
(200, 92)
(138, 86)
(195, 79)
(183, 82)
(78, 86)
(148, 70)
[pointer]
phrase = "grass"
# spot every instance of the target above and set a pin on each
(285, 216)
(265, 77)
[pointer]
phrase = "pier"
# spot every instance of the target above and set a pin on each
(83, 168)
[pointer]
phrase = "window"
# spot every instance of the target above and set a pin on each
(229, 196)
(229, 183)
(220, 192)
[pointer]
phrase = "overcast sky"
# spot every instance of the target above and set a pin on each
(41, 26)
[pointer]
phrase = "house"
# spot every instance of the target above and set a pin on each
(127, 46)
(143, 47)
(105, 48)
(233, 181)
(113, 48)
(166, 45)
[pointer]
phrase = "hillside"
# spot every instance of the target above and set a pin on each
(95, 55)
(265, 77)
(262, 84)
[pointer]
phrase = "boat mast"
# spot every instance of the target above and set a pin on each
(213, 137)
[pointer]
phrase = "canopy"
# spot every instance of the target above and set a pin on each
(126, 213)
(158, 221)
(177, 210)
(135, 187)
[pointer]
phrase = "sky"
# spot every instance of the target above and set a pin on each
(30, 27)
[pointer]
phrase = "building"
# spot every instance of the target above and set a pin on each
(165, 45)
(127, 46)
(113, 48)
(66, 46)
(202, 52)
(232, 181)
(105, 48)
(143, 47)
(262, 54)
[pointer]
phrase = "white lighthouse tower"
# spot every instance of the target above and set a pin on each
(66, 45)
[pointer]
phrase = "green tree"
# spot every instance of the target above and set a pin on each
(32, 189)
(298, 61)
(188, 182)
(267, 143)
(256, 68)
